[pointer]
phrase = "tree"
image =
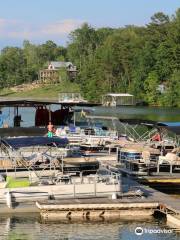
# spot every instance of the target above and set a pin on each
(150, 86)
(12, 66)
(159, 18)
(172, 95)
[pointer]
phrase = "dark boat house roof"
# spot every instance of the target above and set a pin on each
(37, 102)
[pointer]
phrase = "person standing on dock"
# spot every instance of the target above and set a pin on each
(51, 130)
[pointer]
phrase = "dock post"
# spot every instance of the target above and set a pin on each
(170, 169)
(95, 186)
(74, 189)
(114, 196)
(62, 164)
(117, 150)
(109, 150)
(158, 167)
(81, 177)
(119, 178)
(8, 199)
(15, 169)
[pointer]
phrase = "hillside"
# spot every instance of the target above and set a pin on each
(141, 60)
(38, 91)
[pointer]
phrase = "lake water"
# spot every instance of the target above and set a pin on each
(29, 227)
(149, 113)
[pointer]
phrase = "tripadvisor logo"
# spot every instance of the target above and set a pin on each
(139, 231)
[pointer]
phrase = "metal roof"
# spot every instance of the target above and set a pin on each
(169, 124)
(56, 64)
(119, 95)
(19, 102)
(101, 117)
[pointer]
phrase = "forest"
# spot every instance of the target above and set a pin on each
(133, 59)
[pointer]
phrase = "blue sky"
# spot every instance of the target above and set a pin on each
(41, 20)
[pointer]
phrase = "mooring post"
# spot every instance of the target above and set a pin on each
(15, 168)
(117, 153)
(74, 189)
(158, 167)
(94, 186)
(109, 150)
(81, 177)
(8, 199)
(171, 168)
(119, 179)
(62, 164)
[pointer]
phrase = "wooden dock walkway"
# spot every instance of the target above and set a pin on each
(168, 205)
(154, 195)
(95, 208)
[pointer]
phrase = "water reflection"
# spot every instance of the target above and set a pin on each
(149, 113)
(29, 227)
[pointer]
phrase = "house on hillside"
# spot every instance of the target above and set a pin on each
(161, 88)
(51, 73)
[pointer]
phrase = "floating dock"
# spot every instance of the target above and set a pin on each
(85, 209)
(91, 202)
(94, 208)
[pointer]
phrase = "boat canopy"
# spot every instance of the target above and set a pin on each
(139, 148)
(101, 117)
(171, 126)
(138, 122)
(19, 142)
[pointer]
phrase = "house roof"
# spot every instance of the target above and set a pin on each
(60, 64)
(119, 95)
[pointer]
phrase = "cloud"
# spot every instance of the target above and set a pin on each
(2, 22)
(6, 23)
(61, 27)
(23, 30)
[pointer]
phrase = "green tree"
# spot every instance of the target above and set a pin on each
(172, 95)
(150, 86)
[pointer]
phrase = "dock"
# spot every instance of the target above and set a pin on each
(95, 208)
(89, 200)
(152, 202)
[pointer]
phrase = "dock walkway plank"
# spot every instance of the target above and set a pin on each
(169, 201)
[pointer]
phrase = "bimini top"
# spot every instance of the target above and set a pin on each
(171, 126)
(19, 142)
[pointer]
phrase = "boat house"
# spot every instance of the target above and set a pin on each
(71, 97)
(118, 99)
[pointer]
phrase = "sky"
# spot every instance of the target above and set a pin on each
(42, 20)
